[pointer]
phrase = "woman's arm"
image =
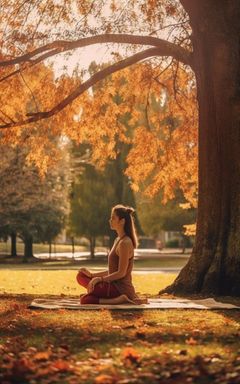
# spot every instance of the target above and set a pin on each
(124, 251)
(86, 272)
(99, 274)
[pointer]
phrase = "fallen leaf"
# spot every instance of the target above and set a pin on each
(60, 366)
(42, 356)
(105, 379)
(129, 326)
(131, 356)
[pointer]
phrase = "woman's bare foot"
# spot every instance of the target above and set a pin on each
(139, 300)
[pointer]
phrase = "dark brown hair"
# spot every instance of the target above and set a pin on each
(125, 212)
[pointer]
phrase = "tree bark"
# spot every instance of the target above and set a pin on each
(92, 242)
(28, 247)
(214, 266)
(50, 249)
(13, 244)
(73, 246)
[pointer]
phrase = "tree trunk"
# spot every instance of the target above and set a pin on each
(28, 247)
(214, 266)
(92, 242)
(13, 244)
(183, 242)
(73, 246)
(49, 250)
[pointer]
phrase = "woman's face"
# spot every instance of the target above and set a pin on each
(115, 222)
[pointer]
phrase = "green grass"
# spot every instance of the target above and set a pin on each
(70, 347)
(38, 282)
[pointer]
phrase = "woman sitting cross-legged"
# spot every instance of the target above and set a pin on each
(114, 286)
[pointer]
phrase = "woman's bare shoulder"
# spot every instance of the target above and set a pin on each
(125, 245)
(126, 242)
(127, 239)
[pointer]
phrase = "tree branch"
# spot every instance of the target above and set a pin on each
(33, 62)
(60, 46)
(8, 117)
(160, 51)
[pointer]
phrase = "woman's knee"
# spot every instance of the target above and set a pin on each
(81, 278)
(89, 299)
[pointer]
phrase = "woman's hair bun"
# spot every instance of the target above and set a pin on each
(130, 210)
(122, 210)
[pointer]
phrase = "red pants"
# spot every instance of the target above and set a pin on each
(101, 290)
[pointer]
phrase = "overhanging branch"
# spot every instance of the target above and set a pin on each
(33, 62)
(60, 46)
(163, 50)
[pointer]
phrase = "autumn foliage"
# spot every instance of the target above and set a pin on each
(157, 118)
(151, 105)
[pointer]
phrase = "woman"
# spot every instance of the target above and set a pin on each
(114, 286)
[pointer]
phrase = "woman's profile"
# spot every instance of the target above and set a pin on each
(114, 286)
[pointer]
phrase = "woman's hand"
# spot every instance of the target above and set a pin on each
(92, 283)
(86, 272)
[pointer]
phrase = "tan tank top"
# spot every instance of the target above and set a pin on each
(124, 285)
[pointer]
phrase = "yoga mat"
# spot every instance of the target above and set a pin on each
(69, 303)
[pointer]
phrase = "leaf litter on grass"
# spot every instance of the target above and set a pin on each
(132, 360)
(70, 347)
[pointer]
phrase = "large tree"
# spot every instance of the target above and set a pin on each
(211, 48)
(214, 266)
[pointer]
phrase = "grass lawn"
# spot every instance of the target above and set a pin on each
(63, 282)
(71, 347)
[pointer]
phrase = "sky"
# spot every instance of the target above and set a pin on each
(83, 57)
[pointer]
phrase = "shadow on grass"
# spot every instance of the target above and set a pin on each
(44, 331)
(232, 315)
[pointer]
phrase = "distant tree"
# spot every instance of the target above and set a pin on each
(5, 232)
(30, 206)
(92, 198)
(121, 183)
(156, 216)
(42, 223)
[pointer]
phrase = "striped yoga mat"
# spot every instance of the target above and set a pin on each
(158, 303)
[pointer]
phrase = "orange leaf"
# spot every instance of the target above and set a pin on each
(131, 355)
(42, 355)
(60, 365)
(104, 379)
